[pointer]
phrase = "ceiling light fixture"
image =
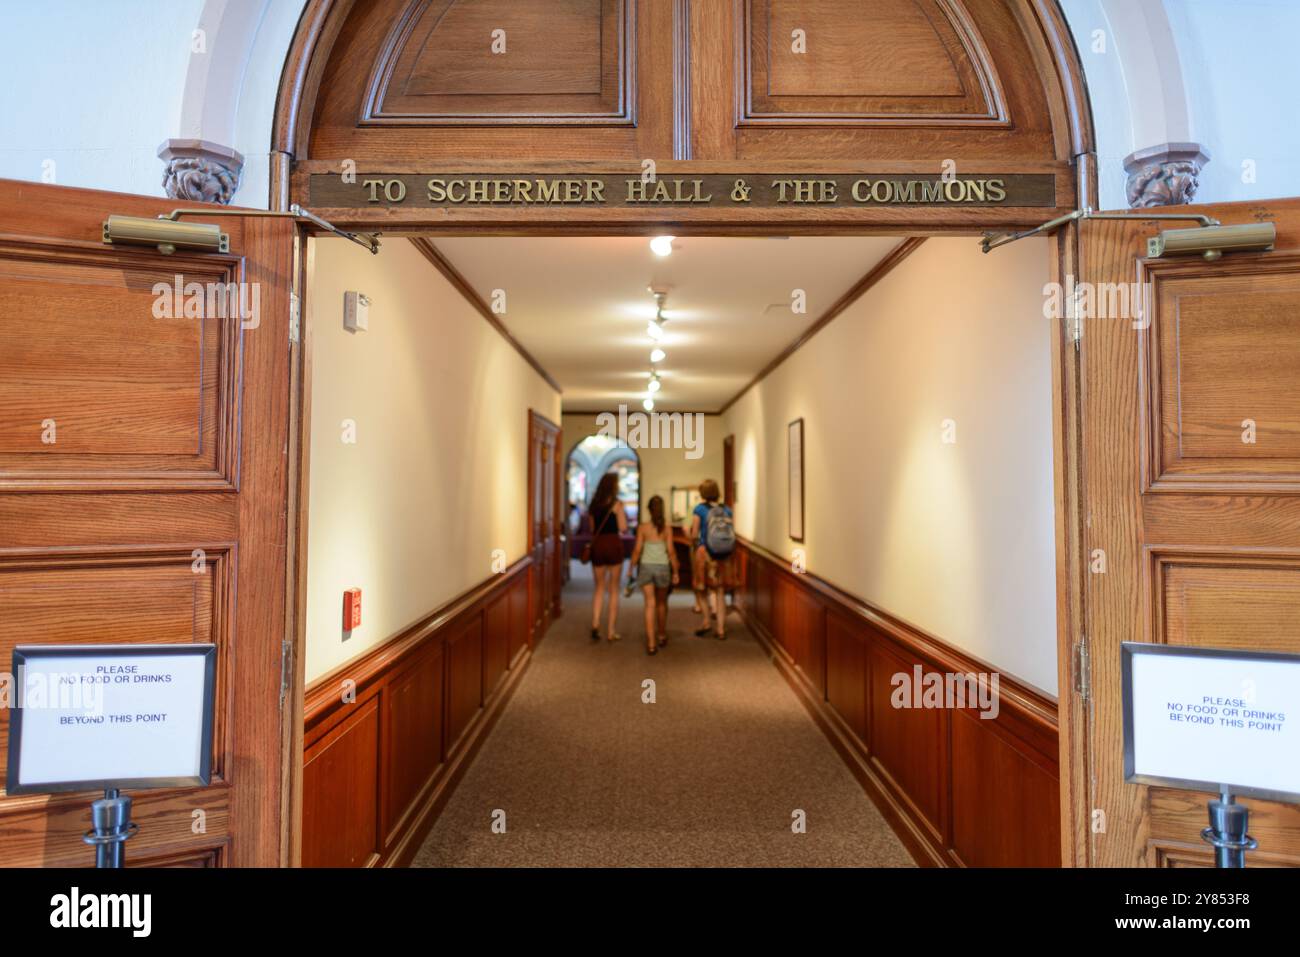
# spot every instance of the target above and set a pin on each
(648, 405)
(658, 355)
(662, 245)
(653, 385)
(655, 328)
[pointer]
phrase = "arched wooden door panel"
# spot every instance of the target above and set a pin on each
(759, 86)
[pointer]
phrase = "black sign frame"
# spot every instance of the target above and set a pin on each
(1129, 650)
(23, 653)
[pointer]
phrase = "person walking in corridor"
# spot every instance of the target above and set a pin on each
(608, 523)
(712, 567)
(656, 571)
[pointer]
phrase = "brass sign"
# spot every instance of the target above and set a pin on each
(629, 191)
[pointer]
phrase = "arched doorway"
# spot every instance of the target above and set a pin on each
(385, 122)
(590, 459)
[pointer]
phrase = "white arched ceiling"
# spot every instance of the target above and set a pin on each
(1132, 64)
(1153, 71)
(224, 42)
(231, 83)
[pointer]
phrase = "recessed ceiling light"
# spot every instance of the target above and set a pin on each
(658, 355)
(648, 405)
(662, 245)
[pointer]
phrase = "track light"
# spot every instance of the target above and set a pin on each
(653, 385)
(648, 405)
(658, 355)
(662, 245)
(654, 330)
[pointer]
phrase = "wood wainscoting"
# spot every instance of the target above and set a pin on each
(388, 735)
(960, 789)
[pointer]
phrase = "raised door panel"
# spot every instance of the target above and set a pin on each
(120, 368)
(1221, 350)
(340, 809)
(766, 593)
(846, 673)
(506, 61)
(1177, 817)
(518, 617)
(1228, 600)
(910, 744)
(420, 81)
(125, 597)
(414, 703)
(851, 62)
(878, 81)
(805, 624)
(1005, 798)
(464, 650)
(496, 642)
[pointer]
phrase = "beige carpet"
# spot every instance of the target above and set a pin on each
(588, 775)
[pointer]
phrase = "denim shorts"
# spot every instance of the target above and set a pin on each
(661, 576)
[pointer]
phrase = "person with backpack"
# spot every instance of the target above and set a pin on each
(713, 569)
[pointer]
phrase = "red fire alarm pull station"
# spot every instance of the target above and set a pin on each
(351, 609)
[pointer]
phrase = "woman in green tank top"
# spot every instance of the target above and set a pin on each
(656, 570)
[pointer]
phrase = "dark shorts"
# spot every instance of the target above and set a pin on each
(661, 576)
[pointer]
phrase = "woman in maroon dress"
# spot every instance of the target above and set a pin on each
(608, 523)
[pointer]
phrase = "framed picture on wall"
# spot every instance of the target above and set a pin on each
(794, 456)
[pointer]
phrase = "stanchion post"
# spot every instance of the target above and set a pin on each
(1227, 831)
(111, 817)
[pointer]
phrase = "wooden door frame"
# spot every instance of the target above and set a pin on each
(1061, 72)
(1071, 564)
(300, 381)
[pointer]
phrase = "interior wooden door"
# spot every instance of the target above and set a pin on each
(559, 540)
(1191, 497)
(143, 495)
(543, 524)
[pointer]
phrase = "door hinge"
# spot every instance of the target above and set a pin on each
(286, 668)
(1082, 669)
(295, 315)
(1075, 316)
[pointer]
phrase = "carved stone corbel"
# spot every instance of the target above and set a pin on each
(1164, 175)
(199, 171)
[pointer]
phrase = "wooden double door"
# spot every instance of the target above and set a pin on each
(545, 524)
(1190, 517)
(144, 496)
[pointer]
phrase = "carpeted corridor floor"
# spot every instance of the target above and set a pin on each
(710, 774)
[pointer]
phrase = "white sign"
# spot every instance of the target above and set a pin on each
(98, 716)
(1202, 718)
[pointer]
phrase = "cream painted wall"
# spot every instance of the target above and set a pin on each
(661, 469)
(957, 539)
(412, 512)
